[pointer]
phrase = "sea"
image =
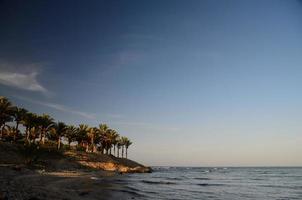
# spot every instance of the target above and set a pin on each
(208, 183)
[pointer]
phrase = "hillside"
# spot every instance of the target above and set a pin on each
(53, 160)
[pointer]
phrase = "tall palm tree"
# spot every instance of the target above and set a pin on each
(103, 129)
(28, 122)
(6, 112)
(113, 135)
(46, 123)
(70, 134)
(127, 144)
(119, 145)
(57, 132)
(110, 135)
(33, 134)
(92, 135)
(123, 143)
(82, 135)
(19, 116)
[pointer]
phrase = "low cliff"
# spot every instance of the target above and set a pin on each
(107, 162)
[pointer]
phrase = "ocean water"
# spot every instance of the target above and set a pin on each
(213, 183)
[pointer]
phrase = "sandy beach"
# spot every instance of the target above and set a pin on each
(22, 183)
(17, 183)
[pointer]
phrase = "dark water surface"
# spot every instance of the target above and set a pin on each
(213, 183)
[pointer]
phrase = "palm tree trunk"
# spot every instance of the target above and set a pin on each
(114, 150)
(126, 152)
(118, 152)
(43, 139)
(1, 131)
(26, 130)
(92, 145)
(27, 134)
(17, 130)
(59, 143)
(87, 147)
(42, 136)
(122, 152)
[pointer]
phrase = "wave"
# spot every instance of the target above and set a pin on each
(257, 179)
(137, 194)
(209, 184)
(201, 178)
(174, 178)
(295, 187)
(159, 182)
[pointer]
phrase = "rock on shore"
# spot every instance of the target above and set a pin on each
(107, 162)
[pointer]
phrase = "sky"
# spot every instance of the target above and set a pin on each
(191, 83)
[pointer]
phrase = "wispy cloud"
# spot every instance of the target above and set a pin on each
(59, 107)
(13, 77)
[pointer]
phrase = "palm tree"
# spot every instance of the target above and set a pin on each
(82, 135)
(92, 135)
(6, 112)
(19, 116)
(108, 140)
(113, 136)
(123, 142)
(103, 129)
(28, 122)
(57, 131)
(33, 133)
(119, 145)
(46, 123)
(127, 144)
(70, 134)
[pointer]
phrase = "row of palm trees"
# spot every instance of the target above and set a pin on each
(41, 129)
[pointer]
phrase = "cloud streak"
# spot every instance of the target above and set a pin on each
(13, 77)
(22, 81)
(60, 107)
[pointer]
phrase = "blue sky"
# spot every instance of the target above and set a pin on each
(190, 82)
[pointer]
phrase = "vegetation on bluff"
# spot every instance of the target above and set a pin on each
(42, 130)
